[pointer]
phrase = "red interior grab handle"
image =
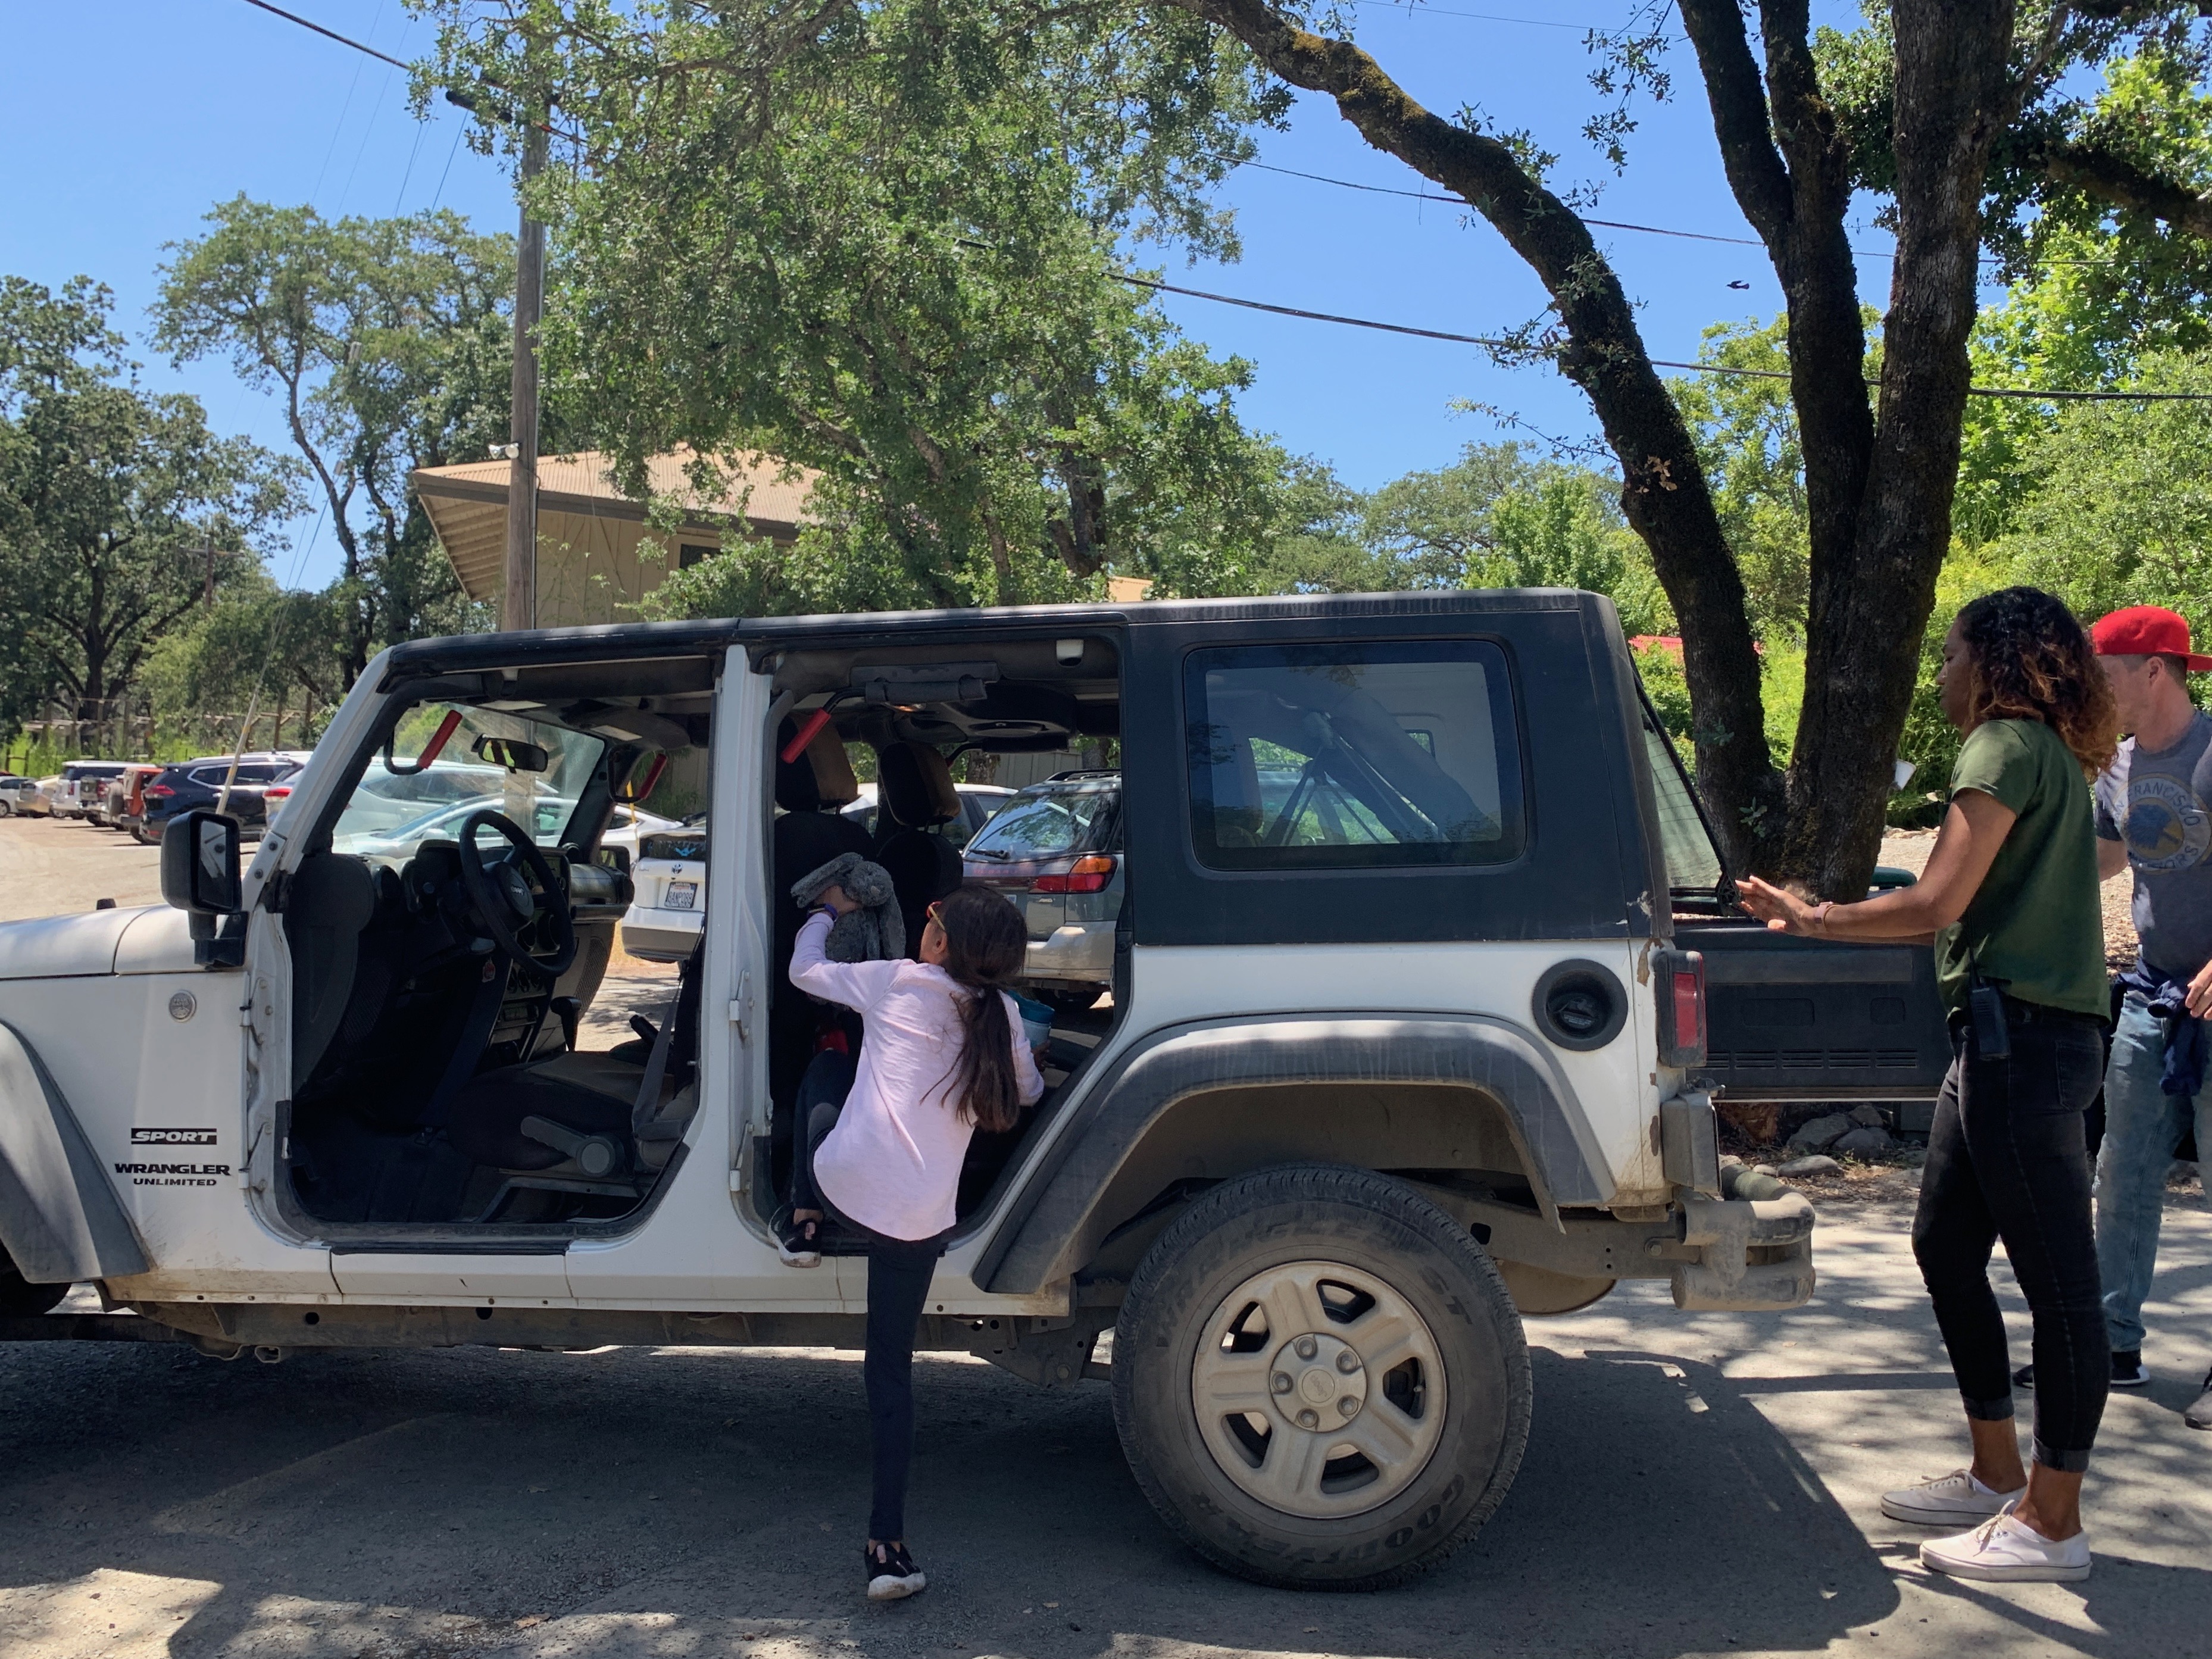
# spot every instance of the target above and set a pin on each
(807, 728)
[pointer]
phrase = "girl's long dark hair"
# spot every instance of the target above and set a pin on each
(2033, 661)
(986, 941)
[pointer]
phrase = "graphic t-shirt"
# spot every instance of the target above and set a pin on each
(2035, 926)
(2156, 803)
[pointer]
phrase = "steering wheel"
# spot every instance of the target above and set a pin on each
(503, 900)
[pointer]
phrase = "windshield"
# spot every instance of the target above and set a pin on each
(1050, 820)
(393, 811)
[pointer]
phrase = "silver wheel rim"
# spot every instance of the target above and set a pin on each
(1318, 1390)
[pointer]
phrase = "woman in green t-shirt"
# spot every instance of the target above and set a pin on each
(2009, 901)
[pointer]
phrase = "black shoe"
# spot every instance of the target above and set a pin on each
(2128, 1371)
(798, 1243)
(891, 1572)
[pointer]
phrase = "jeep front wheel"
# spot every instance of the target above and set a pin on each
(1320, 1379)
(19, 1297)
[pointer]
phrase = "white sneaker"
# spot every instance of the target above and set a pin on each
(1948, 1500)
(2006, 1551)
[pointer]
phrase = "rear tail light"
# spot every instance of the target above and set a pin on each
(1088, 874)
(1680, 981)
(157, 792)
(276, 792)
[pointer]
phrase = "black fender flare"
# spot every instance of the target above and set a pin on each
(1052, 1224)
(59, 1218)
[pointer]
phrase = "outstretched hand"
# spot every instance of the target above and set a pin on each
(1784, 912)
(2200, 993)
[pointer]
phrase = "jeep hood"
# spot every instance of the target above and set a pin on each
(152, 940)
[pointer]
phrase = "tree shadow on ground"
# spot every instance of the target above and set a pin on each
(682, 1500)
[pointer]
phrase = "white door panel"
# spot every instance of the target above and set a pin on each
(151, 1066)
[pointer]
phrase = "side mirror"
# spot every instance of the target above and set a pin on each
(615, 858)
(199, 864)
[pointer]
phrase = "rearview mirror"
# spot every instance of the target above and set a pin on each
(513, 753)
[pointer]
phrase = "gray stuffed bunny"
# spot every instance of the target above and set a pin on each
(874, 933)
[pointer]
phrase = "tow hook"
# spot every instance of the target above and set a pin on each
(1753, 1254)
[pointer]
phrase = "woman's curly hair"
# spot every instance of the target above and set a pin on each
(2033, 661)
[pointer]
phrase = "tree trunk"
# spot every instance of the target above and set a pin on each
(1863, 644)
(1664, 494)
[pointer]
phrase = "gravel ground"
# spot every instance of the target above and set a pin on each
(52, 866)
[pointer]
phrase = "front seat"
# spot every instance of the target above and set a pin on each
(914, 789)
(575, 1097)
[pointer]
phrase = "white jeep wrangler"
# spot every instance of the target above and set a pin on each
(1403, 1043)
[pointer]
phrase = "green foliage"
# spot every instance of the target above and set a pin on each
(119, 510)
(1496, 518)
(388, 342)
(2024, 199)
(2120, 512)
(2105, 291)
(881, 242)
(279, 654)
(1660, 667)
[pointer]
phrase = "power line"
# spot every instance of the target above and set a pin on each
(1304, 315)
(1413, 10)
(343, 40)
(1609, 224)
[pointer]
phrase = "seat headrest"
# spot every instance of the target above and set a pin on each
(822, 777)
(914, 783)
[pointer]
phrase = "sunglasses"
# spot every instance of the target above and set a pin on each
(931, 914)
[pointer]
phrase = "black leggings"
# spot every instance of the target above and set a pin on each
(2007, 1159)
(899, 1272)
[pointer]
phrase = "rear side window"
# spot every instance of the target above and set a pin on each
(1354, 756)
(1692, 865)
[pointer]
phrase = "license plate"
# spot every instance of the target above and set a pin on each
(680, 896)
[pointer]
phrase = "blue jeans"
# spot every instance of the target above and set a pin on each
(2142, 1127)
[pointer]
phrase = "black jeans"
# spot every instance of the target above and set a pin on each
(2007, 1158)
(899, 1272)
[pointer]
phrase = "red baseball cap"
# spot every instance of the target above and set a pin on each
(2146, 630)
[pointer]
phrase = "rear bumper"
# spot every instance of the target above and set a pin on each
(668, 936)
(1717, 1254)
(1080, 953)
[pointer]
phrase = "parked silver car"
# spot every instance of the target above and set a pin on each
(1056, 850)
(22, 795)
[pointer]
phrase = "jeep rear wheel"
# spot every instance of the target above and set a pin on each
(1320, 1379)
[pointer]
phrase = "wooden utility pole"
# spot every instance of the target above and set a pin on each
(519, 603)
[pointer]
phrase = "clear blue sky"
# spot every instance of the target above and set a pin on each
(123, 120)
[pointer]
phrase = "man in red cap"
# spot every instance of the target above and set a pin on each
(2153, 815)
